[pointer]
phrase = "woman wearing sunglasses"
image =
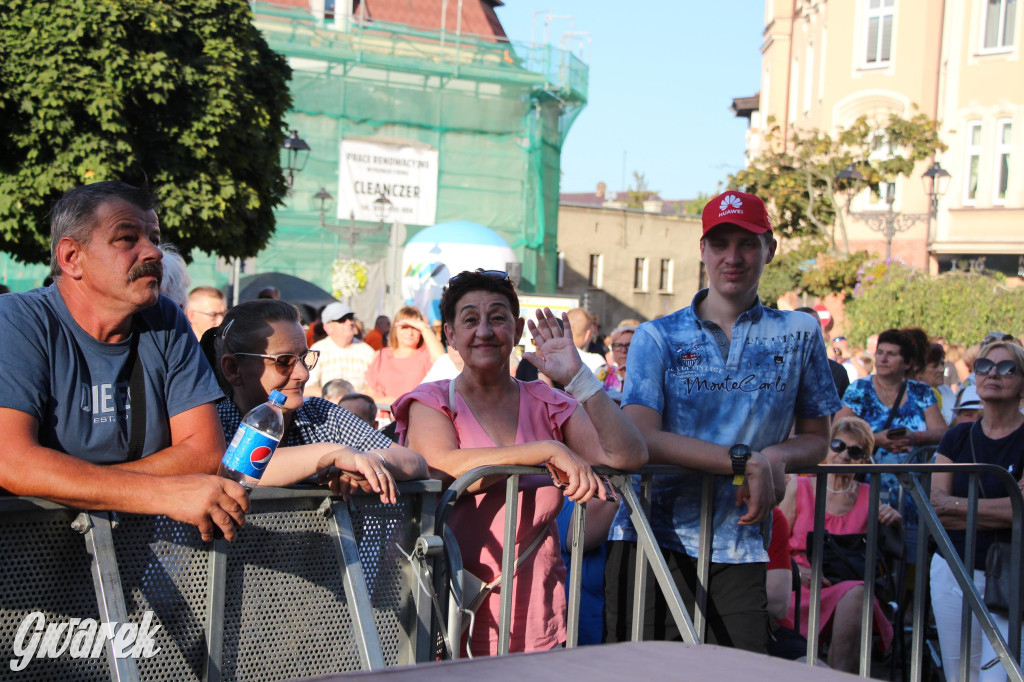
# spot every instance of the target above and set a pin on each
(401, 365)
(613, 376)
(846, 513)
(996, 438)
(260, 347)
(486, 417)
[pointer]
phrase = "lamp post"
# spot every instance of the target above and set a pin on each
(381, 207)
(889, 223)
(296, 156)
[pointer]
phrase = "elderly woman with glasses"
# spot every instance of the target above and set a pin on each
(260, 347)
(613, 376)
(486, 417)
(846, 513)
(995, 438)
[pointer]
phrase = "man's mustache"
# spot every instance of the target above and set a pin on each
(147, 270)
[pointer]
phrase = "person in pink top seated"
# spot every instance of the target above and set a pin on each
(486, 417)
(846, 513)
(401, 365)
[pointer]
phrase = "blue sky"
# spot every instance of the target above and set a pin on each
(663, 74)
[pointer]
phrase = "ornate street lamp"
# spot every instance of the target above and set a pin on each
(889, 222)
(297, 154)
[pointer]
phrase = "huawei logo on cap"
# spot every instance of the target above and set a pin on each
(730, 201)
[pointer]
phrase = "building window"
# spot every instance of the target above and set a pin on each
(998, 24)
(665, 276)
(973, 161)
(640, 274)
(879, 31)
(595, 270)
(1002, 174)
(561, 270)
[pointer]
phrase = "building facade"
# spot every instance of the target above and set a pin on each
(627, 263)
(826, 63)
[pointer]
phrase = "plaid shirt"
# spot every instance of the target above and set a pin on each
(341, 363)
(317, 421)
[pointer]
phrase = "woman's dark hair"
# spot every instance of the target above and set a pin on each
(480, 280)
(898, 337)
(919, 339)
(935, 353)
(245, 329)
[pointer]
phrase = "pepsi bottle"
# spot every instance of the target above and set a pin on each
(254, 443)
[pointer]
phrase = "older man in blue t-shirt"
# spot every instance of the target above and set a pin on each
(718, 387)
(71, 352)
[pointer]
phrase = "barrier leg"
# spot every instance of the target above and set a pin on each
(340, 522)
(99, 542)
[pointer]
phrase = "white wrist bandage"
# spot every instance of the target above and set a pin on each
(584, 385)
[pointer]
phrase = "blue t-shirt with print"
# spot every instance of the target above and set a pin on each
(77, 387)
(775, 371)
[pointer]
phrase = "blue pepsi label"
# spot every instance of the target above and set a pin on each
(250, 451)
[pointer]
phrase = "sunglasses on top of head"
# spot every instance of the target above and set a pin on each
(854, 451)
(983, 367)
(493, 274)
(285, 362)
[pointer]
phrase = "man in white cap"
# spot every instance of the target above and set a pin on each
(341, 356)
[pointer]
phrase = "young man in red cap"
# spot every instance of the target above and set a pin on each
(717, 387)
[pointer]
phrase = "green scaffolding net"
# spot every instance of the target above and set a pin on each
(496, 112)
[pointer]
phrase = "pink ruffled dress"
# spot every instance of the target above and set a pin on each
(478, 521)
(854, 521)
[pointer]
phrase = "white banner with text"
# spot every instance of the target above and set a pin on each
(406, 175)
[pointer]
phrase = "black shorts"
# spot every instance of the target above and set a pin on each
(737, 600)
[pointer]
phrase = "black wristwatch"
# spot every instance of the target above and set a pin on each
(739, 454)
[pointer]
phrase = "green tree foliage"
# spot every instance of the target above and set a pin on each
(960, 306)
(796, 177)
(186, 96)
(812, 269)
(693, 206)
(639, 192)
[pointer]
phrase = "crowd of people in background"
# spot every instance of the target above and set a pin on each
(725, 386)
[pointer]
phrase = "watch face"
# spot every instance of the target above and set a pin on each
(739, 450)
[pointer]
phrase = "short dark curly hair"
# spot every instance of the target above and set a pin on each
(900, 338)
(478, 280)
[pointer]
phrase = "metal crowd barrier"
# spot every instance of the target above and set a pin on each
(310, 585)
(693, 630)
(313, 585)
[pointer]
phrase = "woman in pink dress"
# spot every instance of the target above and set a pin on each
(846, 513)
(486, 417)
(400, 366)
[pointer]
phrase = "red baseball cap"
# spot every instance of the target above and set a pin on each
(736, 208)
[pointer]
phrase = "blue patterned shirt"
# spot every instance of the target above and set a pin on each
(775, 371)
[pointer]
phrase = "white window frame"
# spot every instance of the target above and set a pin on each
(1001, 27)
(595, 280)
(886, 8)
(972, 153)
(560, 276)
(1002, 149)
(665, 278)
(645, 264)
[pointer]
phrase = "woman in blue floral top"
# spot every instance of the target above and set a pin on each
(872, 398)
